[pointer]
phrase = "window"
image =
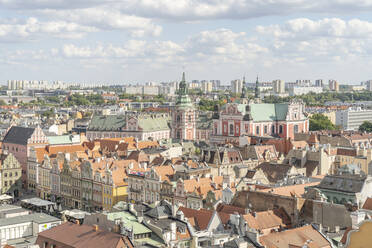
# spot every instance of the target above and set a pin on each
(265, 129)
(231, 129)
(10, 174)
(5, 174)
(5, 183)
(258, 130)
(273, 129)
(295, 128)
(178, 118)
(280, 129)
(190, 118)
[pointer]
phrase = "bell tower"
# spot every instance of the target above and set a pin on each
(183, 123)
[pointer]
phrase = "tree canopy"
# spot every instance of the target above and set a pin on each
(366, 127)
(320, 122)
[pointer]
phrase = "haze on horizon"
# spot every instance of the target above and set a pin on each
(140, 40)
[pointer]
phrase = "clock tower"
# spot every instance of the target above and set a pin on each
(183, 124)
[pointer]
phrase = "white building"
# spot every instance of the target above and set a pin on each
(22, 228)
(207, 86)
(35, 85)
(236, 86)
(150, 90)
(352, 118)
(299, 90)
(303, 82)
(279, 86)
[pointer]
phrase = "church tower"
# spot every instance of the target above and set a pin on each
(183, 123)
(257, 90)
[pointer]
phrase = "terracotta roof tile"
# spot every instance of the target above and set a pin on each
(368, 204)
(298, 189)
(201, 217)
(80, 236)
(267, 219)
(296, 237)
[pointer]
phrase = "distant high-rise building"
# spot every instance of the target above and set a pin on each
(216, 84)
(319, 82)
(303, 82)
(369, 85)
(206, 86)
(278, 86)
(333, 85)
(236, 86)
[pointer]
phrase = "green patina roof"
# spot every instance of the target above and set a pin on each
(107, 122)
(153, 123)
(118, 122)
(59, 140)
(266, 111)
(130, 221)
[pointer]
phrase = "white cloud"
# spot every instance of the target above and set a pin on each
(32, 28)
(328, 39)
(215, 46)
(303, 28)
(107, 19)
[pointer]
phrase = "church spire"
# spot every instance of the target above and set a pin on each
(244, 89)
(183, 77)
(257, 90)
(182, 86)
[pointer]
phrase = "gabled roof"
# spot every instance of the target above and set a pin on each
(267, 219)
(198, 218)
(18, 135)
(80, 236)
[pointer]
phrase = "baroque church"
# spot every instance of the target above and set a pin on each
(253, 118)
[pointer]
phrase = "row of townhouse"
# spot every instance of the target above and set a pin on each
(89, 184)
(158, 183)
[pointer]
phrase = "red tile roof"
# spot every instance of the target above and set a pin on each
(80, 236)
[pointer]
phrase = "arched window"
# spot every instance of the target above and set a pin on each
(257, 130)
(178, 119)
(231, 129)
(272, 129)
(280, 129)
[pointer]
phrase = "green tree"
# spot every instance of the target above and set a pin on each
(366, 127)
(320, 122)
(2, 103)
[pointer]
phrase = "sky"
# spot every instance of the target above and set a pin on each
(136, 41)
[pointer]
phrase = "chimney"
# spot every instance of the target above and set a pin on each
(95, 228)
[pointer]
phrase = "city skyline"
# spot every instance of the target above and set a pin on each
(140, 41)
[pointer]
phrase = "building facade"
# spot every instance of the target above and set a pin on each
(259, 119)
(183, 122)
(10, 173)
(352, 118)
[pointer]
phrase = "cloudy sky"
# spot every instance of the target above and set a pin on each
(123, 41)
